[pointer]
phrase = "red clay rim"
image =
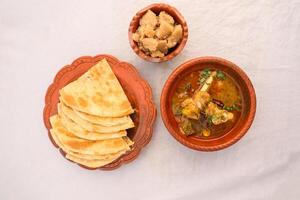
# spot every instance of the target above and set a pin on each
(149, 121)
(210, 59)
(169, 9)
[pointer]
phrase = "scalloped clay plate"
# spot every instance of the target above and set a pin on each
(248, 101)
(136, 88)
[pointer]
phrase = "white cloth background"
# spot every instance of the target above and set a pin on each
(37, 38)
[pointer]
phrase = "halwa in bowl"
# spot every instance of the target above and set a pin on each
(158, 33)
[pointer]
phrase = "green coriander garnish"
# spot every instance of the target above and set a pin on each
(231, 108)
(236, 107)
(228, 108)
(209, 119)
(204, 75)
(220, 75)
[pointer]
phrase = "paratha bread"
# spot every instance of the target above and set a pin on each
(97, 92)
(90, 163)
(103, 121)
(84, 156)
(80, 132)
(68, 112)
(82, 146)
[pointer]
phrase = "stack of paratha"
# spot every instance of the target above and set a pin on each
(93, 115)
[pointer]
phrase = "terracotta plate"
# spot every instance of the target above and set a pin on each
(136, 88)
(248, 98)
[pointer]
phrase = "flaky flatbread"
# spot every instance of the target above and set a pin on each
(68, 112)
(97, 92)
(103, 121)
(82, 146)
(84, 156)
(90, 163)
(85, 134)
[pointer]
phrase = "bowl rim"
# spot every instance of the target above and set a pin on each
(168, 85)
(179, 47)
(64, 72)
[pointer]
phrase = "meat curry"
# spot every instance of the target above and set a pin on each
(206, 103)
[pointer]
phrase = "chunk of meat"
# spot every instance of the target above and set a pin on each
(218, 116)
(193, 106)
(149, 18)
(201, 99)
(190, 109)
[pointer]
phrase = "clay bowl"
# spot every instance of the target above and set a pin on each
(136, 88)
(247, 113)
(156, 8)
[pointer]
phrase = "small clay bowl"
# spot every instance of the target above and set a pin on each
(156, 8)
(136, 88)
(247, 113)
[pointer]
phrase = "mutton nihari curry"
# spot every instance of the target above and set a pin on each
(207, 103)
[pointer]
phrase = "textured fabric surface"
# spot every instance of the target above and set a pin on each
(37, 38)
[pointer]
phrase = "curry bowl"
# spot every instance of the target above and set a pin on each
(208, 103)
(157, 8)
